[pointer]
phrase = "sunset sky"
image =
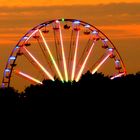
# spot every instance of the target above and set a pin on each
(119, 20)
(59, 2)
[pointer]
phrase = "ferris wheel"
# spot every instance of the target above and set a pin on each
(62, 49)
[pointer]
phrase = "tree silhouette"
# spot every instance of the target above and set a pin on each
(90, 92)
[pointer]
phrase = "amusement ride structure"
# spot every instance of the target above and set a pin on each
(62, 49)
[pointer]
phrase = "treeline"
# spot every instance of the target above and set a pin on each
(91, 91)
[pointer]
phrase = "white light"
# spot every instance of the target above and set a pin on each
(17, 47)
(7, 70)
(76, 22)
(95, 32)
(44, 24)
(106, 40)
(12, 58)
(117, 61)
(110, 49)
(57, 21)
(25, 37)
(87, 26)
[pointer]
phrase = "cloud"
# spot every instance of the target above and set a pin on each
(110, 14)
(115, 19)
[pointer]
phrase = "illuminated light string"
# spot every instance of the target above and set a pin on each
(84, 63)
(118, 75)
(52, 58)
(41, 67)
(99, 64)
(27, 77)
(75, 57)
(63, 54)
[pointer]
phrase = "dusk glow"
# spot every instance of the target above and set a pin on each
(118, 20)
(60, 2)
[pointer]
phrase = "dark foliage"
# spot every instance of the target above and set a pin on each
(92, 92)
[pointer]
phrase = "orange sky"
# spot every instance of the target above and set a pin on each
(58, 2)
(120, 22)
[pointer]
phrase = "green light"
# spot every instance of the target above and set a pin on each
(63, 19)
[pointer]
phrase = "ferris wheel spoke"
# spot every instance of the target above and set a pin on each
(63, 54)
(101, 61)
(28, 77)
(118, 75)
(56, 47)
(44, 54)
(84, 63)
(51, 56)
(75, 57)
(70, 51)
(85, 50)
(32, 58)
